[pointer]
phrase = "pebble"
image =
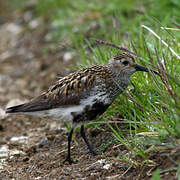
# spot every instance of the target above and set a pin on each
(20, 139)
(67, 56)
(2, 114)
(34, 23)
(101, 161)
(4, 152)
(69, 169)
(39, 177)
(13, 28)
(100, 164)
(43, 142)
(107, 166)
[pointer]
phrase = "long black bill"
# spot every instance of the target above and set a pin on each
(142, 68)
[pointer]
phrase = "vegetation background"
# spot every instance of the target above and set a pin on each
(52, 37)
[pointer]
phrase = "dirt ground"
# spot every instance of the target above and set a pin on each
(33, 148)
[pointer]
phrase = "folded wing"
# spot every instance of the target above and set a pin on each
(67, 91)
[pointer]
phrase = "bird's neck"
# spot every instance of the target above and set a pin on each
(122, 81)
(121, 78)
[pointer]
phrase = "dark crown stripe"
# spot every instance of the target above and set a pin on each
(122, 55)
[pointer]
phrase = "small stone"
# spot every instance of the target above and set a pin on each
(20, 139)
(43, 142)
(67, 56)
(14, 28)
(16, 152)
(4, 152)
(69, 169)
(37, 178)
(107, 166)
(2, 115)
(34, 23)
(101, 161)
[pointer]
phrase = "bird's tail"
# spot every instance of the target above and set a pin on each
(16, 109)
(39, 103)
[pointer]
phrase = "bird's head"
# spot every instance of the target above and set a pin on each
(124, 63)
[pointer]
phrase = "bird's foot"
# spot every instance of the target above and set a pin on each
(93, 152)
(69, 160)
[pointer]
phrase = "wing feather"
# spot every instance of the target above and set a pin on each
(66, 91)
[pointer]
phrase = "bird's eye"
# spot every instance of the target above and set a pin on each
(125, 63)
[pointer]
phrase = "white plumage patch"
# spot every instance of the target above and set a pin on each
(64, 114)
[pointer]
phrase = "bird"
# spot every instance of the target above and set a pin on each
(82, 96)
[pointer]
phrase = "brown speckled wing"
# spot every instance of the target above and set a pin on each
(68, 90)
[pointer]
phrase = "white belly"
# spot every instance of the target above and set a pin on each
(64, 114)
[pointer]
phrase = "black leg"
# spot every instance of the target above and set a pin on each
(68, 158)
(86, 141)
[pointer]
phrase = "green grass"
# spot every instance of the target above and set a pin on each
(121, 22)
(124, 18)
